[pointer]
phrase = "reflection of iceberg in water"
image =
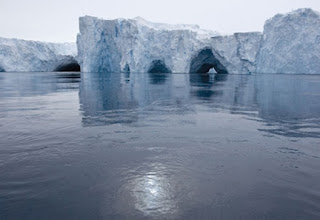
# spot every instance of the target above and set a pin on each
(33, 84)
(109, 98)
(288, 104)
(288, 97)
(291, 103)
(279, 101)
(105, 99)
(206, 85)
(158, 78)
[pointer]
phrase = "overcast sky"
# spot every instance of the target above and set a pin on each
(57, 20)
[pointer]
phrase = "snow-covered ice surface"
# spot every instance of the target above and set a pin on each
(291, 43)
(30, 56)
(135, 44)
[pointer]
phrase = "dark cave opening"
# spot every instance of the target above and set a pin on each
(158, 66)
(205, 61)
(70, 67)
(2, 69)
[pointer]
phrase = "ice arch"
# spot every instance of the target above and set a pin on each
(204, 61)
(158, 66)
(1, 69)
(68, 67)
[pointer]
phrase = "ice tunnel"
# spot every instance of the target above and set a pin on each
(158, 66)
(205, 61)
(69, 67)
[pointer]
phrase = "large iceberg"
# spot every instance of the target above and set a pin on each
(291, 43)
(136, 45)
(22, 55)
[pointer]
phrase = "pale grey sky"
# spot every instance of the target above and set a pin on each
(57, 20)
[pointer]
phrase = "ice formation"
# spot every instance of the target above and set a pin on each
(140, 46)
(30, 56)
(291, 43)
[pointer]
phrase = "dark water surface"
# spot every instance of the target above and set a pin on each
(154, 146)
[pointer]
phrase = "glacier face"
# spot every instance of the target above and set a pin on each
(136, 45)
(291, 43)
(21, 55)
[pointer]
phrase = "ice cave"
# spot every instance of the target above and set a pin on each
(158, 66)
(205, 61)
(69, 67)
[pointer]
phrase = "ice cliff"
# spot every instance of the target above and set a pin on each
(22, 55)
(136, 45)
(291, 43)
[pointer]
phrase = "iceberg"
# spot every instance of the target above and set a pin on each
(291, 43)
(137, 45)
(32, 56)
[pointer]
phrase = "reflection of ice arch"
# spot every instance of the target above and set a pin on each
(104, 98)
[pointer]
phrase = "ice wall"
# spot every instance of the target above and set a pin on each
(291, 43)
(33, 56)
(135, 44)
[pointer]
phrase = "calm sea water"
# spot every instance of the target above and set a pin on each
(155, 146)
